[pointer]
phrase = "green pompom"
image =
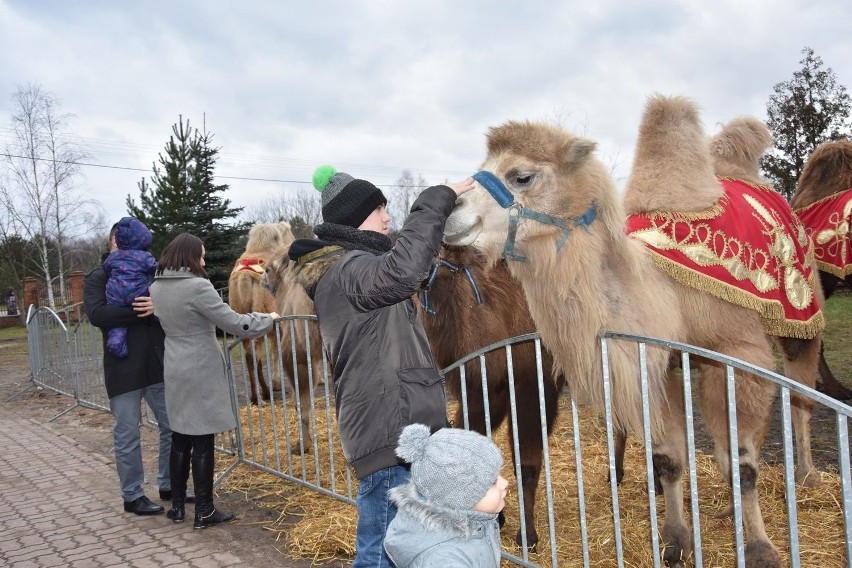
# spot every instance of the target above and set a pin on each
(322, 175)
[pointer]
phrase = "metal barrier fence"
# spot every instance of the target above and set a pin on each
(66, 356)
(294, 437)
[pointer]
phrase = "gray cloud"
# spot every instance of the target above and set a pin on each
(377, 86)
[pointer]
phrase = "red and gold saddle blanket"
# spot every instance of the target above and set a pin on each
(253, 265)
(748, 249)
(829, 222)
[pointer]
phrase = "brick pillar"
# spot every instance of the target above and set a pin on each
(30, 293)
(77, 293)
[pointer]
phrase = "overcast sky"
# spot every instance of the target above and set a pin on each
(377, 86)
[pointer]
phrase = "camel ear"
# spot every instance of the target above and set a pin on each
(577, 151)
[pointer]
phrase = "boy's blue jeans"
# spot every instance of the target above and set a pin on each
(375, 512)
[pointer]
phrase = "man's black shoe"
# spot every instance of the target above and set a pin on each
(142, 506)
(166, 495)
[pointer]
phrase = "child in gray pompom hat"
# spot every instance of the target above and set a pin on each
(447, 513)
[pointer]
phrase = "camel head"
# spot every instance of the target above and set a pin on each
(276, 269)
(266, 237)
(532, 169)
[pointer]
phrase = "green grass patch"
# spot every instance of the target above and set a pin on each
(13, 333)
(838, 336)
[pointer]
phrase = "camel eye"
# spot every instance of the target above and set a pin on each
(521, 181)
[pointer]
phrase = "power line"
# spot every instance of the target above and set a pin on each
(136, 150)
(127, 168)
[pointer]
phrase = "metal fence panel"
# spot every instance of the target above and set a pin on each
(295, 438)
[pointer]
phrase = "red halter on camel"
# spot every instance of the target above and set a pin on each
(723, 252)
(254, 265)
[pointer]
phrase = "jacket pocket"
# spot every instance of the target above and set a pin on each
(423, 399)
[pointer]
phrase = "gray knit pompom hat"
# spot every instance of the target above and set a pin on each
(346, 200)
(452, 468)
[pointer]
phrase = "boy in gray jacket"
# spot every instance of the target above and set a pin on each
(385, 377)
(447, 513)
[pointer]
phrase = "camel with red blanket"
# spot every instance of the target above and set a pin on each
(245, 295)
(546, 204)
(823, 201)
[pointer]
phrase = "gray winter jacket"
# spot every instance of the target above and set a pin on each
(198, 396)
(384, 373)
(425, 535)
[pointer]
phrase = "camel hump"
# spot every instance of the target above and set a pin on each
(737, 148)
(672, 168)
(827, 171)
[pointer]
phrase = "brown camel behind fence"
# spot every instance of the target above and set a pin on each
(457, 325)
(245, 295)
(291, 299)
(549, 205)
(823, 201)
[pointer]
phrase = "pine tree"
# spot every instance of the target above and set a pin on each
(222, 236)
(804, 112)
(183, 197)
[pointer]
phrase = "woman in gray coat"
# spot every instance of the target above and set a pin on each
(198, 397)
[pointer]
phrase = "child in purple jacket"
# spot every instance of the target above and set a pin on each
(130, 270)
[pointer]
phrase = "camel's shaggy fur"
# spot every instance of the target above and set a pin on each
(736, 150)
(601, 280)
(245, 295)
(291, 299)
(827, 171)
(460, 326)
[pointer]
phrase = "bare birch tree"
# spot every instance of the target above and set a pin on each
(39, 195)
(302, 209)
(401, 197)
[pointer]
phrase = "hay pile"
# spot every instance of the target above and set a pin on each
(322, 528)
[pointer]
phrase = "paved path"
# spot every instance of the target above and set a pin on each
(58, 507)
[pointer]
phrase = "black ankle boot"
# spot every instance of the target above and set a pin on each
(213, 518)
(177, 513)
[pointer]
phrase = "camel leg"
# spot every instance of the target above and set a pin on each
(620, 446)
(800, 364)
(754, 399)
(254, 366)
(669, 463)
(532, 448)
(529, 433)
(274, 350)
(301, 389)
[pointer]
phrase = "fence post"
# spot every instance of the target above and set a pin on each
(30, 292)
(76, 293)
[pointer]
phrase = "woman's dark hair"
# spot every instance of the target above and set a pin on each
(183, 252)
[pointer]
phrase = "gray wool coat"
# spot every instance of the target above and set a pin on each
(198, 396)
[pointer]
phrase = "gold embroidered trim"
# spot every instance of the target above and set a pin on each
(749, 183)
(770, 311)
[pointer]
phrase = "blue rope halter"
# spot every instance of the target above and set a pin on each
(506, 200)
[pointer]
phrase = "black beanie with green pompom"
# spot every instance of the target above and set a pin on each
(346, 200)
